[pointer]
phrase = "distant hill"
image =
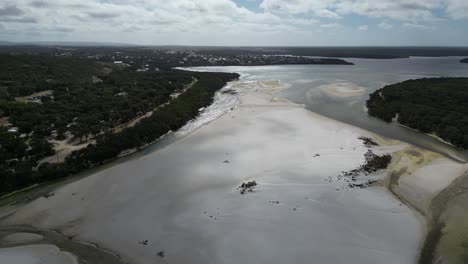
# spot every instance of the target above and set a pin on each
(82, 44)
(464, 60)
(326, 52)
(7, 43)
(343, 52)
(67, 44)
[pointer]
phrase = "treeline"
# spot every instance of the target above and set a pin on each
(24, 74)
(435, 105)
(109, 145)
(341, 52)
(88, 98)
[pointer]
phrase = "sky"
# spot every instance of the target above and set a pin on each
(238, 22)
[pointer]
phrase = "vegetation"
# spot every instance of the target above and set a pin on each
(169, 117)
(87, 97)
(436, 105)
(464, 60)
(247, 186)
(87, 100)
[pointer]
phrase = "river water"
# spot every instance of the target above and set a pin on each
(304, 84)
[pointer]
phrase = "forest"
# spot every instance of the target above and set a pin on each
(85, 101)
(432, 105)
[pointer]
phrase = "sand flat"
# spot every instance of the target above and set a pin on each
(20, 237)
(342, 89)
(184, 200)
(36, 254)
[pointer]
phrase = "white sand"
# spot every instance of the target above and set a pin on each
(36, 254)
(183, 198)
(427, 174)
(342, 89)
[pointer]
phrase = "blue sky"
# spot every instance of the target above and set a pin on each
(239, 22)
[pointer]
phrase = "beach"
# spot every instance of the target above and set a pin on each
(181, 204)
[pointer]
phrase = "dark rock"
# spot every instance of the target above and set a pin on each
(47, 195)
(144, 242)
(247, 187)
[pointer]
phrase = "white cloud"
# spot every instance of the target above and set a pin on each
(325, 13)
(363, 28)
(408, 10)
(173, 20)
(385, 25)
(401, 10)
(143, 15)
(457, 9)
(331, 25)
(418, 26)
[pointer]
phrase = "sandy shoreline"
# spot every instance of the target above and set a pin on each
(183, 199)
(36, 254)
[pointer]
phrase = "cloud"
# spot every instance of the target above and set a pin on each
(363, 28)
(457, 9)
(176, 21)
(331, 25)
(12, 14)
(418, 26)
(325, 13)
(18, 20)
(103, 15)
(319, 8)
(401, 10)
(409, 10)
(385, 25)
(10, 10)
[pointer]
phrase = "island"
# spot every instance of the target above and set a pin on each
(465, 60)
(432, 105)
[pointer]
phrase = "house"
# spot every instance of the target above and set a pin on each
(13, 130)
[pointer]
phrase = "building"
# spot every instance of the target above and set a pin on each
(13, 130)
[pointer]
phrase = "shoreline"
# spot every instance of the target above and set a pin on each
(419, 178)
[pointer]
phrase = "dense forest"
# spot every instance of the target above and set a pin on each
(86, 97)
(465, 60)
(436, 105)
(47, 98)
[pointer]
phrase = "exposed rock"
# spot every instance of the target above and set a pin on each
(368, 142)
(247, 187)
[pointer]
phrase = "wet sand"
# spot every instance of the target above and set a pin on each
(183, 200)
(437, 187)
(36, 254)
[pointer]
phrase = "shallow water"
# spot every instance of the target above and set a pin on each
(304, 81)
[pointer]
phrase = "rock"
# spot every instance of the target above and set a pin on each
(247, 187)
(144, 242)
(47, 195)
(368, 142)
